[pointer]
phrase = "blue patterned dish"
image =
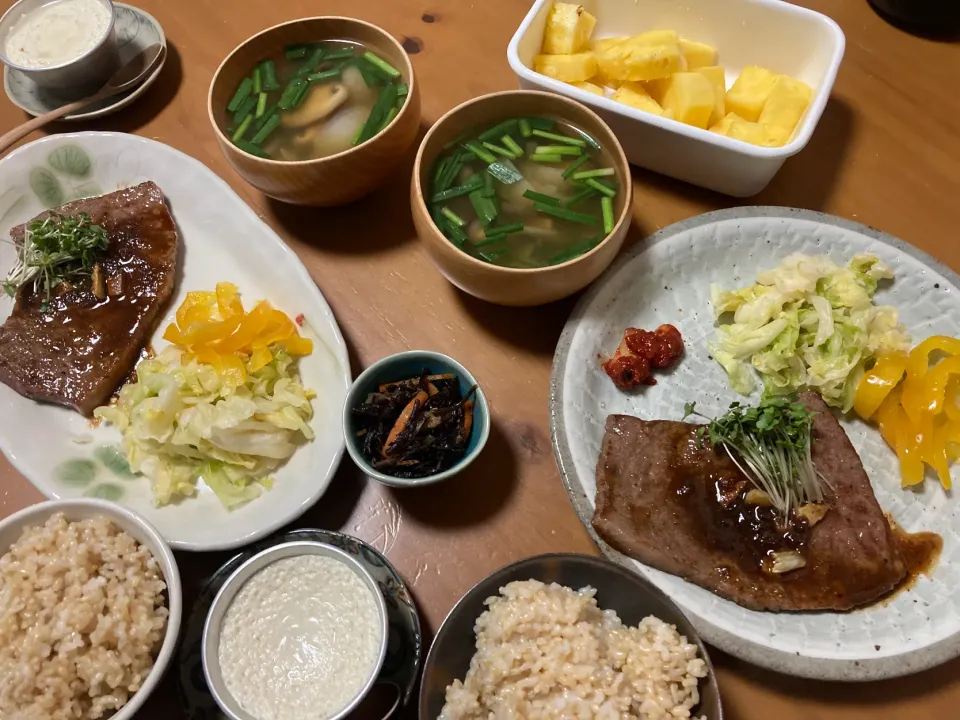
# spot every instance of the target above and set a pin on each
(405, 365)
(405, 645)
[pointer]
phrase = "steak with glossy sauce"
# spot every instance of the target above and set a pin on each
(82, 348)
(661, 499)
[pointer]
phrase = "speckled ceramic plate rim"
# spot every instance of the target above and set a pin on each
(201, 607)
(864, 669)
(125, 98)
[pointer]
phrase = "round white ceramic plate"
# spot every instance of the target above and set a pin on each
(667, 279)
(222, 239)
(136, 30)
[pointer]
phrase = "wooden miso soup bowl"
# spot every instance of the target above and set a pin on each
(335, 179)
(514, 286)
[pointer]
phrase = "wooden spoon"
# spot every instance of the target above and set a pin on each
(130, 75)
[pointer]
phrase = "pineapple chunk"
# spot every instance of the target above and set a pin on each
(568, 29)
(722, 127)
(657, 37)
(691, 97)
(605, 43)
(698, 54)
(734, 126)
(605, 81)
(657, 88)
(635, 59)
(753, 133)
(715, 75)
(589, 87)
(602, 46)
(750, 91)
(568, 68)
(634, 95)
(785, 106)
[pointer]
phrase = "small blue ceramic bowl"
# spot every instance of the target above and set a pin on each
(398, 367)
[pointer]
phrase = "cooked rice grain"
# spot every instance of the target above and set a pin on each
(546, 651)
(82, 614)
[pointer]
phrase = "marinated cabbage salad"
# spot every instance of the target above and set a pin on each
(223, 403)
(806, 324)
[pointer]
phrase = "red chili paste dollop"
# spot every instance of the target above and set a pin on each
(641, 351)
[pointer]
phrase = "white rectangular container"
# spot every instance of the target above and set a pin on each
(770, 33)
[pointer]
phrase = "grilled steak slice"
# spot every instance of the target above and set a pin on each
(666, 501)
(82, 348)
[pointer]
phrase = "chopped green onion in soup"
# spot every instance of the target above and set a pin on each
(524, 192)
(313, 100)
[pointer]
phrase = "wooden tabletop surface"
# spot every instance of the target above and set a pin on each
(886, 153)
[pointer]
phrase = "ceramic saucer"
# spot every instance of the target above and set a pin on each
(135, 30)
(403, 652)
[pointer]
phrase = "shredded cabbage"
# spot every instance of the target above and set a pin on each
(182, 421)
(807, 324)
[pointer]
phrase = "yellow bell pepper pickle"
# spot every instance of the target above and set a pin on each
(935, 384)
(916, 406)
(214, 328)
(951, 403)
(877, 383)
(888, 418)
(945, 436)
(917, 366)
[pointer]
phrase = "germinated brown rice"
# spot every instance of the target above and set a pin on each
(548, 652)
(82, 615)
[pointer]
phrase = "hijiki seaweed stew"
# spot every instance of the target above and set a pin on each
(527, 192)
(315, 100)
(416, 427)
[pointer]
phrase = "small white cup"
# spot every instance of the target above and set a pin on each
(211, 629)
(75, 78)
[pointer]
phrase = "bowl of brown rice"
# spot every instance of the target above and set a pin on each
(90, 605)
(567, 636)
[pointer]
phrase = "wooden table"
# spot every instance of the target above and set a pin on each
(886, 153)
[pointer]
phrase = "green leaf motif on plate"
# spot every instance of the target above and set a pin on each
(75, 473)
(86, 190)
(105, 491)
(115, 460)
(46, 187)
(71, 160)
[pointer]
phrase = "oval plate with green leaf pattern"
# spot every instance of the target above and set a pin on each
(223, 239)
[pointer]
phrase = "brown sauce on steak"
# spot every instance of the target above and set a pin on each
(676, 506)
(724, 519)
(78, 349)
(921, 552)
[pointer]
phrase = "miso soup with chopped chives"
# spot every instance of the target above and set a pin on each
(313, 100)
(527, 192)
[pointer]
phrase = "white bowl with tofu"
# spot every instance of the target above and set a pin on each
(645, 65)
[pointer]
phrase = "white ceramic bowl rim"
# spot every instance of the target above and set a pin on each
(239, 577)
(411, 84)
(4, 21)
(168, 564)
(390, 480)
(620, 159)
